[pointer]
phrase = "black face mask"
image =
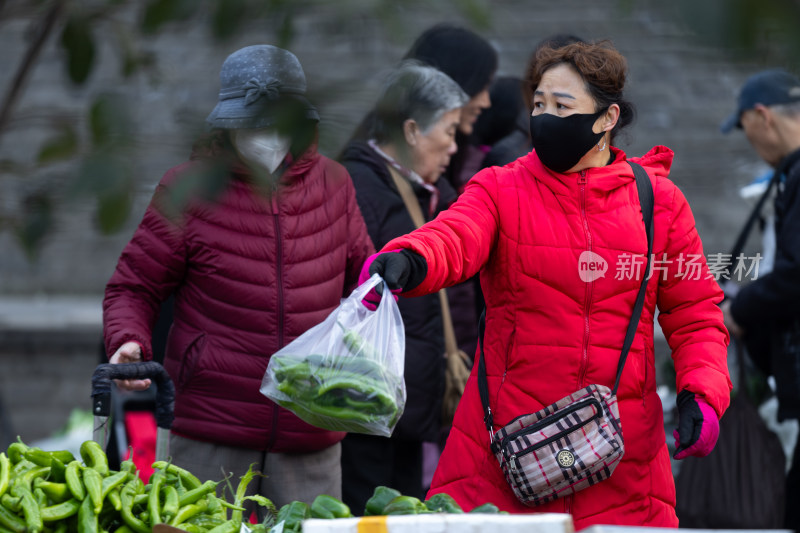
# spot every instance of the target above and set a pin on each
(561, 142)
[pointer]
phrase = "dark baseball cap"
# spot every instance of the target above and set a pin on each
(770, 87)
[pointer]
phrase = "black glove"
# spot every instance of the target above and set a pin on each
(401, 270)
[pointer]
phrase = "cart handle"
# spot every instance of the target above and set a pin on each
(165, 390)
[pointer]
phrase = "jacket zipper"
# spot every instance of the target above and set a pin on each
(535, 427)
(279, 282)
(589, 285)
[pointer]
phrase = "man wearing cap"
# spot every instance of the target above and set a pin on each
(251, 266)
(767, 310)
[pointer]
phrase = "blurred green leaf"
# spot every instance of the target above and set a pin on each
(77, 41)
(286, 30)
(203, 182)
(113, 209)
(476, 11)
(749, 29)
(228, 17)
(159, 12)
(110, 120)
(34, 223)
(62, 146)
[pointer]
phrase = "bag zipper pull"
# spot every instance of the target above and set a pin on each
(513, 461)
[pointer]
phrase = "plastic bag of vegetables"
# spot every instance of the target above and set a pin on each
(346, 373)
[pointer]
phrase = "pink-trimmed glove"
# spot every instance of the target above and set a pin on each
(402, 270)
(698, 426)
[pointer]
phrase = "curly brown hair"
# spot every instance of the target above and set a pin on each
(602, 68)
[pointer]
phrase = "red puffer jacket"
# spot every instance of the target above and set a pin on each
(250, 273)
(553, 328)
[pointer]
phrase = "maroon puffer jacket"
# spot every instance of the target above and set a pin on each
(250, 272)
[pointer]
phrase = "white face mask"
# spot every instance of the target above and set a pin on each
(261, 148)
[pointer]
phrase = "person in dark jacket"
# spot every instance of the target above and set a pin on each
(767, 308)
(411, 135)
(471, 61)
(263, 251)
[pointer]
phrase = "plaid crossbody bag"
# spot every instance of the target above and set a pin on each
(577, 441)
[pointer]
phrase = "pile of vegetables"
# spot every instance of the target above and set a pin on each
(384, 501)
(52, 491)
(44, 491)
(352, 392)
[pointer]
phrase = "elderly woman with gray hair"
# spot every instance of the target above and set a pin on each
(411, 138)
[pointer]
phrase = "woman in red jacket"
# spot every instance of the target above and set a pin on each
(553, 325)
(262, 252)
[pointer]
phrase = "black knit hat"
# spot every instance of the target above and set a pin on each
(458, 52)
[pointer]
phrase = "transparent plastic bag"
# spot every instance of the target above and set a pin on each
(346, 373)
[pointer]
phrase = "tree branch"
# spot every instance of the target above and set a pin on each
(28, 61)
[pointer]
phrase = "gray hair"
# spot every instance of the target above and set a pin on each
(414, 91)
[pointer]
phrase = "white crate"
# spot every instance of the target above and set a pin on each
(445, 523)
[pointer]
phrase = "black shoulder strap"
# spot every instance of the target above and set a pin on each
(646, 201)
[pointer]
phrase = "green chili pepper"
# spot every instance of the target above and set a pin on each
(171, 506)
(73, 476)
(11, 521)
(486, 508)
(114, 498)
(215, 507)
(43, 458)
(30, 508)
(57, 470)
(60, 511)
(57, 492)
(126, 497)
(123, 529)
(197, 493)
(241, 489)
(192, 528)
(154, 500)
(87, 518)
(264, 502)
(443, 503)
(226, 527)
(5, 472)
(62, 527)
(25, 479)
(206, 521)
(94, 457)
(189, 480)
(93, 482)
(325, 506)
(405, 505)
(40, 497)
(292, 515)
(110, 482)
(16, 451)
(358, 344)
(13, 503)
(188, 511)
(380, 498)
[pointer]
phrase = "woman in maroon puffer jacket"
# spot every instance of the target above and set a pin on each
(252, 266)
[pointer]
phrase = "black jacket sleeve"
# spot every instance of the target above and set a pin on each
(774, 298)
